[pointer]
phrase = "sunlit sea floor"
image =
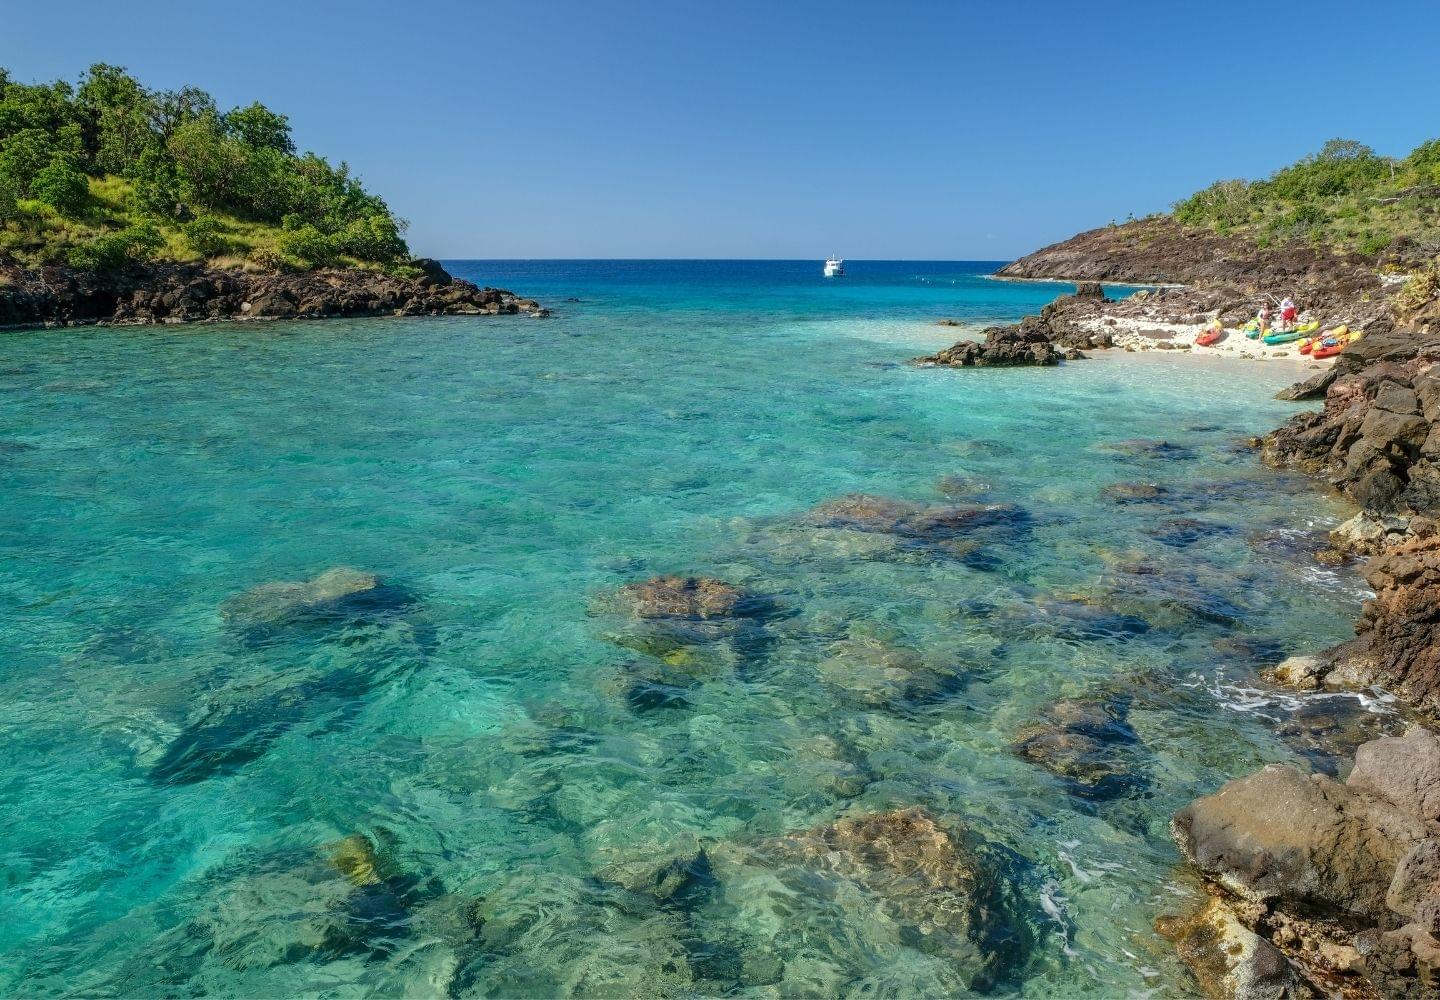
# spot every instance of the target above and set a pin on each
(481, 744)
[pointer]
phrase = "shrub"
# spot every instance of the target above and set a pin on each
(62, 186)
(204, 237)
(1372, 244)
(111, 251)
(304, 243)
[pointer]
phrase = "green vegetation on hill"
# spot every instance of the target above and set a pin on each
(1345, 197)
(107, 172)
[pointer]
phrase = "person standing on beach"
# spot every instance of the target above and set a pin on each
(1288, 313)
(1262, 318)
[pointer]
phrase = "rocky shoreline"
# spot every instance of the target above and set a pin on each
(192, 293)
(1317, 887)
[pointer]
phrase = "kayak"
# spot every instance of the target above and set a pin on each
(1331, 346)
(1252, 329)
(1282, 338)
(1309, 343)
(1209, 337)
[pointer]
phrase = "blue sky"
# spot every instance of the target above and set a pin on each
(776, 129)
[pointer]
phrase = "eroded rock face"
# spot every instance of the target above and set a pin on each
(173, 293)
(1373, 440)
(1345, 879)
(1403, 769)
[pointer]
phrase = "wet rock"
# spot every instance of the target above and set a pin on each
(1327, 729)
(1398, 646)
(1302, 841)
(1087, 743)
(1230, 961)
(1368, 534)
(1402, 769)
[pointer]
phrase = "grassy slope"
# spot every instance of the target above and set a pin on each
(43, 234)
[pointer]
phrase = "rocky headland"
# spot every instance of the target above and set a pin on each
(159, 292)
(1317, 887)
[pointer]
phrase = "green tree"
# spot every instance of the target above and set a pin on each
(259, 127)
(206, 161)
(118, 114)
(62, 186)
(24, 155)
(157, 185)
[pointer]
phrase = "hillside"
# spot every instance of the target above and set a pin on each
(106, 173)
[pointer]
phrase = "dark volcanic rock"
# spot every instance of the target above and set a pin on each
(176, 293)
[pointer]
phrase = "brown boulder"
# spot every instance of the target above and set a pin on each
(1309, 842)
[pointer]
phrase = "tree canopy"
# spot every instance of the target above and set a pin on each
(1345, 196)
(167, 159)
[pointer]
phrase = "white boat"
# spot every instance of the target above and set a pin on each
(834, 267)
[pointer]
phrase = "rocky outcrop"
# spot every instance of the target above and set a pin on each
(1342, 878)
(187, 293)
(1047, 339)
(1375, 439)
(1158, 251)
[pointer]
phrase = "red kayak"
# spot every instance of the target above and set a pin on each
(1209, 337)
(1329, 348)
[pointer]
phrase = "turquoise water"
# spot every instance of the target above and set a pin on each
(497, 739)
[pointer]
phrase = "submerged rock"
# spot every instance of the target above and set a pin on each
(878, 674)
(236, 724)
(932, 890)
(1087, 742)
(336, 596)
(1179, 532)
(1148, 448)
(690, 628)
(943, 529)
(697, 597)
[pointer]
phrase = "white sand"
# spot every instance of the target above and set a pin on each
(1149, 335)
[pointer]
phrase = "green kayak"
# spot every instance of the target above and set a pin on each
(1283, 338)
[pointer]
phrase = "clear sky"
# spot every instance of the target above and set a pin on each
(526, 128)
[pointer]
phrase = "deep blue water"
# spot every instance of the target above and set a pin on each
(450, 786)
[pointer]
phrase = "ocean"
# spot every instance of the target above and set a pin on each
(486, 777)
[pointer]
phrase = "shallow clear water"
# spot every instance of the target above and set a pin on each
(489, 731)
